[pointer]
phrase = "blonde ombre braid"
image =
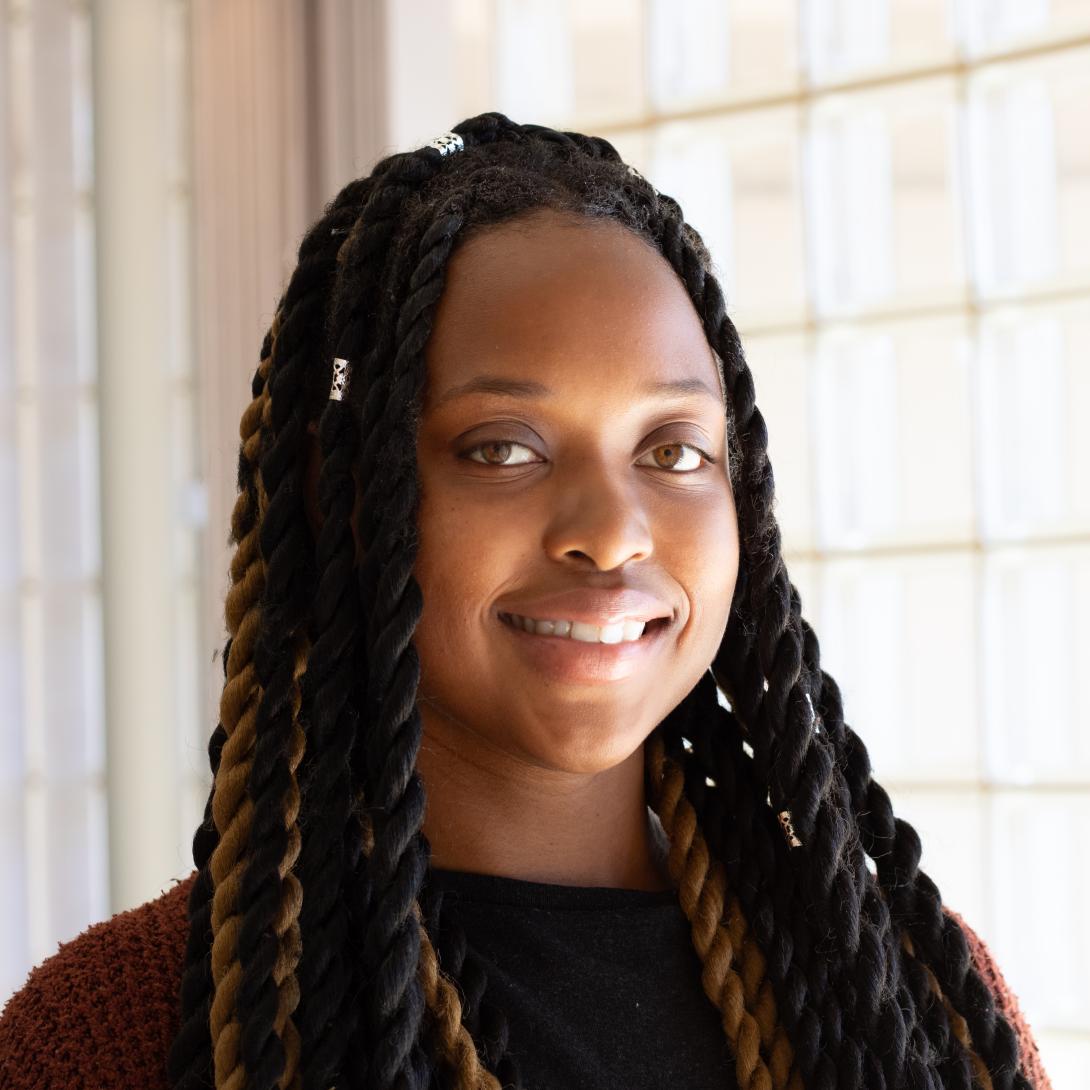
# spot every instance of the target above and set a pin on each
(232, 811)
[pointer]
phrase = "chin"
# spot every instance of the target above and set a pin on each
(582, 755)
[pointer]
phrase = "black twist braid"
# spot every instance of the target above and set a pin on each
(914, 900)
(190, 1062)
(269, 889)
(337, 895)
(325, 1013)
(394, 1004)
(783, 924)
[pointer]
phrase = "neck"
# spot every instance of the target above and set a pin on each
(491, 812)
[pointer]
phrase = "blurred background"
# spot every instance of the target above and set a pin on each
(897, 197)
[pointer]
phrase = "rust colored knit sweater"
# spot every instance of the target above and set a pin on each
(101, 1013)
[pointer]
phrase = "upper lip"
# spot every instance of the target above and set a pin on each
(591, 606)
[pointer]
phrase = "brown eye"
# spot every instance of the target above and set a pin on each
(496, 453)
(680, 457)
(672, 454)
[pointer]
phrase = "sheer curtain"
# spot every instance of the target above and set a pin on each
(98, 674)
(53, 852)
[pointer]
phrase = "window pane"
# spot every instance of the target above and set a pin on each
(893, 453)
(899, 635)
(558, 61)
(473, 51)
(704, 51)
(737, 181)
(1049, 885)
(1028, 178)
(855, 39)
(991, 26)
(15, 949)
(1033, 403)
(76, 856)
(882, 214)
(1034, 653)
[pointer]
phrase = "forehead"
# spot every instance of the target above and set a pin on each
(566, 301)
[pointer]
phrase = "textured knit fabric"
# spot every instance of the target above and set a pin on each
(570, 966)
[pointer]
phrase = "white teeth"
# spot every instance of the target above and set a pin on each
(621, 632)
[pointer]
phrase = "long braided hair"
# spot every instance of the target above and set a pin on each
(318, 955)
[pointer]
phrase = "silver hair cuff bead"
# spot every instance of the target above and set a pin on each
(447, 143)
(340, 379)
(788, 829)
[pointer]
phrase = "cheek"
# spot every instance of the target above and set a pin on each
(463, 558)
(442, 539)
(704, 548)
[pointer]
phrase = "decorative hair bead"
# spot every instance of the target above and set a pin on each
(340, 379)
(447, 143)
(788, 829)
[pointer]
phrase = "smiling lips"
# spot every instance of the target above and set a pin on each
(591, 606)
(588, 635)
(619, 632)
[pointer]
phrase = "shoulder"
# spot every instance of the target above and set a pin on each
(101, 1011)
(1007, 1003)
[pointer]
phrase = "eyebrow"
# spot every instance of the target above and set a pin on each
(528, 388)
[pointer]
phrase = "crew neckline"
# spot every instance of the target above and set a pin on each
(500, 889)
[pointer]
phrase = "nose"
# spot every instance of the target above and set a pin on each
(598, 515)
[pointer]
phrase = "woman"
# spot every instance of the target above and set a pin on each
(527, 772)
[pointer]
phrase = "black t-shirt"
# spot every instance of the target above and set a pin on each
(601, 986)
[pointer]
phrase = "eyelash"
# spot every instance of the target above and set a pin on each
(708, 459)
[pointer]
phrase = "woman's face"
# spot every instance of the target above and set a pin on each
(584, 481)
